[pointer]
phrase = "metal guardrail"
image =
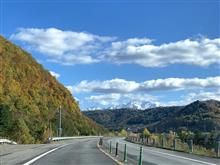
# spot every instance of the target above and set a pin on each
(178, 145)
(6, 141)
(73, 137)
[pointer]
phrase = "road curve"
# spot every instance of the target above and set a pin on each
(85, 152)
(74, 152)
(156, 156)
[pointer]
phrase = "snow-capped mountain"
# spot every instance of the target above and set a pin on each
(92, 109)
(141, 105)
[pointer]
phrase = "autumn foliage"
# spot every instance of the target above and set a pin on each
(30, 97)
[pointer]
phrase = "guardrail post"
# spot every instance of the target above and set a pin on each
(116, 149)
(100, 141)
(174, 144)
(140, 156)
(217, 149)
(191, 146)
(163, 142)
(125, 153)
(110, 147)
(154, 142)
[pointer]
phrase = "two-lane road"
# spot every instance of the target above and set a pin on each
(85, 152)
(68, 152)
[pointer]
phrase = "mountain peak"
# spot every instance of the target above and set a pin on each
(191, 116)
(137, 105)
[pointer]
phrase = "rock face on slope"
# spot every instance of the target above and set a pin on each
(30, 97)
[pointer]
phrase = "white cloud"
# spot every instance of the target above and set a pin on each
(65, 47)
(120, 92)
(194, 96)
(116, 99)
(72, 60)
(70, 88)
(70, 47)
(105, 99)
(56, 75)
(124, 86)
(108, 86)
(179, 83)
(200, 52)
(203, 96)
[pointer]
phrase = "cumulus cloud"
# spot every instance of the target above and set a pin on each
(72, 60)
(203, 96)
(200, 52)
(70, 47)
(108, 86)
(193, 96)
(108, 99)
(70, 88)
(115, 99)
(124, 86)
(56, 75)
(139, 97)
(179, 83)
(117, 92)
(66, 47)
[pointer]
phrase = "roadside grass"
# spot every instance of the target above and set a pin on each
(180, 147)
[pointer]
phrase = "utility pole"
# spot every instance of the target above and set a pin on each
(60, 121)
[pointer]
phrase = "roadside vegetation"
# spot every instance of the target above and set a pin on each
(200, 143)
(201, 116)
(29, 101)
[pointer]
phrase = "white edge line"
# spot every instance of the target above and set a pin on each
(181, 157)
(118, 162)
(40, 156)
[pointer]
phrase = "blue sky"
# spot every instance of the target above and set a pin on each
(109, 52)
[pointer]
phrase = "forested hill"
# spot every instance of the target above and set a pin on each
(199, 115)
(29, 98)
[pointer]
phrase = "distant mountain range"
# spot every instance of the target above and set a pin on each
(199, 115)
(137, 105)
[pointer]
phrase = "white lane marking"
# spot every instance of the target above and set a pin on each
(176, 156)
(40, 156)
(109, 155)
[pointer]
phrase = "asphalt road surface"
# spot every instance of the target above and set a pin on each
(69, 152)
(85, 152)
(81, 153)
(156, 156)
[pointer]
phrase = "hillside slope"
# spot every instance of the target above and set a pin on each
(29, 98)
(199, 115)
